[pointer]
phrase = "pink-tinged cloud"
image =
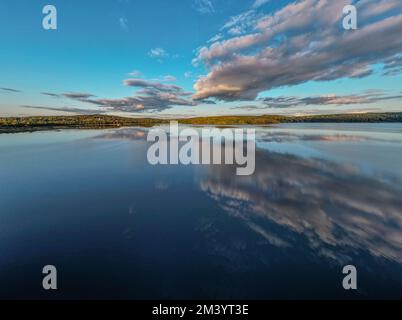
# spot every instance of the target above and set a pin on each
(304, 41)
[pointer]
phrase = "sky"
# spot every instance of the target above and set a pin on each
(173, 58)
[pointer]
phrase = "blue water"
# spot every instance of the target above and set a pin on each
(323, 196)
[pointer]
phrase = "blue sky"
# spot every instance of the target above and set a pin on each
(199, 57)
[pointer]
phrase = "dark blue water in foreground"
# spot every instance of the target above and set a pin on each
(323, 196)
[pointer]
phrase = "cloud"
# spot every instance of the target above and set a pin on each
(204, 6)
(328, 205)
(188, 74)
(303, 41)
(169, 78)
(50, 94)
(393, 66)
(149, 100)
(332, 99)
(77, 95)
(240, 24)
(123, 22)
(151, 96)
(67, 109)
(215, 38)
(135, 74)
(259, 3)
(249, 107)
(10, 90)
(142, 83)
(158, 53)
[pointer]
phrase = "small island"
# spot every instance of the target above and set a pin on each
(38, 123)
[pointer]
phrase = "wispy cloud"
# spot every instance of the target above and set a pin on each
(259, 3)
(283, 102)
(123, 22)
(169, 78)
(240, 24)
(135, 74)
(158, 53)
(80, 96)
(204, 6)
(188, 74)
(67, 109)
(77, 95)
(50, 94)
(330, 99)
(393, 66)
(368, 97)
(10, 90)
(151, 96)
(142, 83)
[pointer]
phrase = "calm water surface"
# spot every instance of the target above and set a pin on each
(323, 196)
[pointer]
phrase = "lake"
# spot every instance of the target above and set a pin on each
(323, 196)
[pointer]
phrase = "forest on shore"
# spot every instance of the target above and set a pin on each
(26, 124)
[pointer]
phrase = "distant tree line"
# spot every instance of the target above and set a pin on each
(13, 124)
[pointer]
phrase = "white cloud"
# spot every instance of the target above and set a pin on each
(158, 53)
(188, 75)
(135, 74)
(259, 3)
(123, 22)
(169, 78)
(204, 6)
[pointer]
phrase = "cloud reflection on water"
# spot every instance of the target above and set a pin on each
(336, 208)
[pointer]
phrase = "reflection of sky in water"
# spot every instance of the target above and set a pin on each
(87, 201)
(330, 204)
(373, 147)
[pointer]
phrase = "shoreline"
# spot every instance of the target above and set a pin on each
(98, 122)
